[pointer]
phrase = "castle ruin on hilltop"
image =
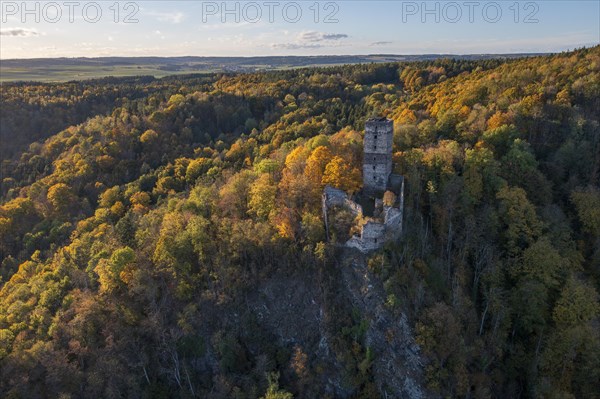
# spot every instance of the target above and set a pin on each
(378, 208)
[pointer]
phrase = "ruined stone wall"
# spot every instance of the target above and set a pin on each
(373, 234)
(393, 220)
(336, 197)
(372, 237)
(376, 233)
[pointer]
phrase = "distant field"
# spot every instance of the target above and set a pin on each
(66, 69)
(67, 73)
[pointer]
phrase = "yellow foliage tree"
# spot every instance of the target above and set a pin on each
(295, 161)
(60, 197)
(262, 196)
(149, 136)
(497, 120)
(339, 174)
(316, 164)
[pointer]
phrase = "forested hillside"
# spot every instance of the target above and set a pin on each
(164, 237)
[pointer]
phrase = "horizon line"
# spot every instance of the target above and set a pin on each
(294, 55)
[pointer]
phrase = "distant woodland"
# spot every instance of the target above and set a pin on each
(164, 238)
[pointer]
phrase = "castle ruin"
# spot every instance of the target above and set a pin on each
(377, 151)
(379, 206)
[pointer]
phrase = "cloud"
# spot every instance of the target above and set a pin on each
(312, 40)
(295, 46)
(382, 43)
(172, 17)
(19, 32)
(312, 36)
(335, 36)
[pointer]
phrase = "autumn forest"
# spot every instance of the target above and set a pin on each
(164, 237)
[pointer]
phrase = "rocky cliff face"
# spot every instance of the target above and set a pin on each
(302, 311)
(397, 365)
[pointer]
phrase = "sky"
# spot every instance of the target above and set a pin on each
(36, 29)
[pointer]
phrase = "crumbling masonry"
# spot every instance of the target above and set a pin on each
(381, 222)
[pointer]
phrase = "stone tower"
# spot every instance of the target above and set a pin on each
(377, 163)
